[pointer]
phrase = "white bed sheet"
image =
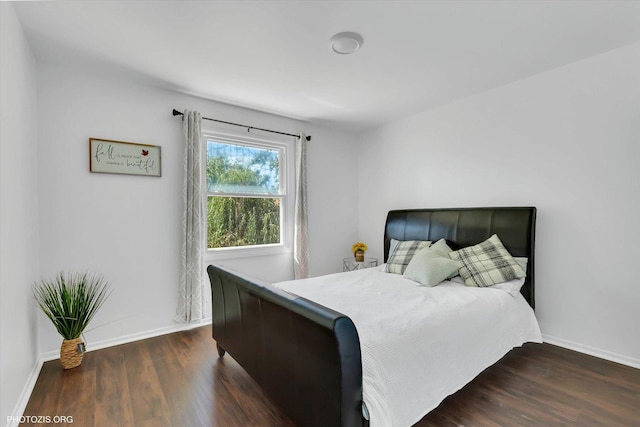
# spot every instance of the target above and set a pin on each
(420, 344)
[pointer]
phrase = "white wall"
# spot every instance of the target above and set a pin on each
(566, 141)
(128, 227)
(18, 211)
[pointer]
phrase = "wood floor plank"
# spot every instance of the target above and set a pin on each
(147, 399)
(112, 399)
(79, 384)
(180, 386)
(43, 400)
(179, 380)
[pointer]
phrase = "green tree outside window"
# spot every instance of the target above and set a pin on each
(243, 207)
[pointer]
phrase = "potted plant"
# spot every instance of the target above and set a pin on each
(70, 301)
(358, 250)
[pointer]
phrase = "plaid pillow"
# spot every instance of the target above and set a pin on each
(403, 253)
(487, 263)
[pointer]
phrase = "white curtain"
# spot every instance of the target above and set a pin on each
(192, 279)
(301, 234)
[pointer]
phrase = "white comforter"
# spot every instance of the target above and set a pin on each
(420, 344)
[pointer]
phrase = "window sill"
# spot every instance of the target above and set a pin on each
(234, 253)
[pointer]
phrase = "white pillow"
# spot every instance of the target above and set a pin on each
(457, 279)
(430, 268)
(512, 286)
(522, 261)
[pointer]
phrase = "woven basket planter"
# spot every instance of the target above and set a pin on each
(70, 355)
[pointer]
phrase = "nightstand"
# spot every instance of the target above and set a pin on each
(350, 264)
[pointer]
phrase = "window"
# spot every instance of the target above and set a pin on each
(247, 188)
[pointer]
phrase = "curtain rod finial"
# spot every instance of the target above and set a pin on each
(177, 113)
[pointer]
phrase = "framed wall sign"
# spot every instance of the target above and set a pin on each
(108, 156)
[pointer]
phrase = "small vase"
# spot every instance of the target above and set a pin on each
(71, 353)
(359, 256)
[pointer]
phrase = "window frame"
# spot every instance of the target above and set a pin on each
(287, 191)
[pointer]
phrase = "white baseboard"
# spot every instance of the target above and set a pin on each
(97, 345)
(18, 410)
(52, 355)
(592, 351)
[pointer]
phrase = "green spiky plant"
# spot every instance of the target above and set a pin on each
(71, 300)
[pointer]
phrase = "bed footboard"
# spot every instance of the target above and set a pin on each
(305, 356)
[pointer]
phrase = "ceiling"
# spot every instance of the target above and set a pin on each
(274, 56)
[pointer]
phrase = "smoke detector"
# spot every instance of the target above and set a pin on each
(345, 43)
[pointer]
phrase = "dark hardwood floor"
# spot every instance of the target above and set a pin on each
(178, 380)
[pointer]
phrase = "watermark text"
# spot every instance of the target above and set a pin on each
(40, 419)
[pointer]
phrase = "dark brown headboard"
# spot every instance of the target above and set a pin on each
(516, 227)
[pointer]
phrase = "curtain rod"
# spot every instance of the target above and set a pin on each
(178, 113)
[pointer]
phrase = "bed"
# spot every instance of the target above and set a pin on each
(324, 367)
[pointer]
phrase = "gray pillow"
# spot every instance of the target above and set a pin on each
(430, 268)
(487, 263)
(403, 253)
(443, 249)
